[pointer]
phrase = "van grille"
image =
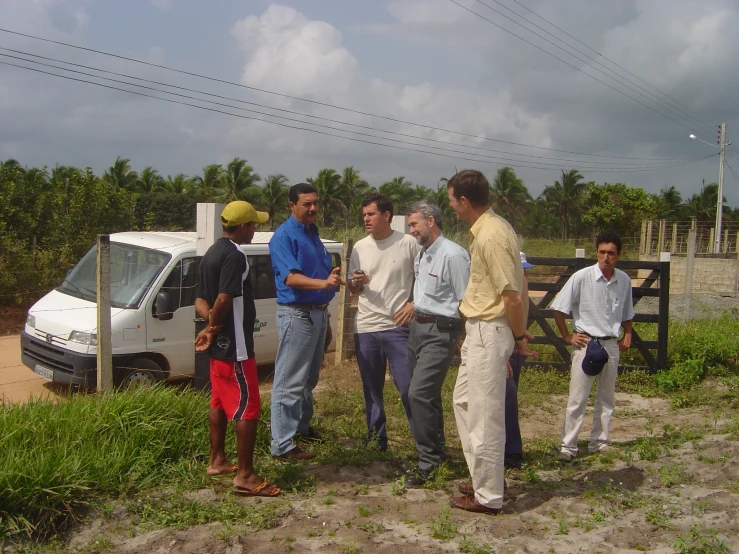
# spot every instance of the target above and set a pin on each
(47, 355)
(49, 338)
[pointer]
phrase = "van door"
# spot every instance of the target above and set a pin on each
(174, 338)
(265, 299)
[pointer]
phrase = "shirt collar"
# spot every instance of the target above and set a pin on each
(298, 225)
(487, 216)
(599, 275)
(431, 250)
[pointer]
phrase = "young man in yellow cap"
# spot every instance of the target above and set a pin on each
(225, 300)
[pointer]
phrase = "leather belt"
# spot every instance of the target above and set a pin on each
(421, 318)
(320, 307)
(598, 338)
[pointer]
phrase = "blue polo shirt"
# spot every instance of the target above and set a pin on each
(297, 247)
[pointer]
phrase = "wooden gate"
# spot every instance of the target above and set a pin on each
(655, 284)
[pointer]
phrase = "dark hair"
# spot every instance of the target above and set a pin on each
(471, 184)
(427, 209)
(231, 230)
(300, 188)
(605, 238)
(384, 204)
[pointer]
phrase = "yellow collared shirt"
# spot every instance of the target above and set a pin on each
(495, 266)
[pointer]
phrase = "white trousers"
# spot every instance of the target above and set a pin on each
(479, 405)
(580, 385)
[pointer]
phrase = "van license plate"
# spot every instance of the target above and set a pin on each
(44, 372)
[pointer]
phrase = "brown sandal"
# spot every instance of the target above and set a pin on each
(265, 488)
(231, 469)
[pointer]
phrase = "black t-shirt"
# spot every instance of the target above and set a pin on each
(224, 268)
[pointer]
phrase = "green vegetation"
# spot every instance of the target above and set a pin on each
(699, 349)
(700, 541)
(179, 512)
(50, 217)
(444, 528)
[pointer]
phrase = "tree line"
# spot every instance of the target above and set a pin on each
(54, 215)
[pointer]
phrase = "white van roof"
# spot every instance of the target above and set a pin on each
(171, 241)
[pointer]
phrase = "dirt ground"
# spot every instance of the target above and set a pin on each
(606, 503)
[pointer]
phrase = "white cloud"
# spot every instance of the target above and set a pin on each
(290, 53)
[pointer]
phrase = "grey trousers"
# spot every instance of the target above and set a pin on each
(429, 351)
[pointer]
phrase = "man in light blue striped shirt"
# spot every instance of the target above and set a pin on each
(442, 270)
(600, 301)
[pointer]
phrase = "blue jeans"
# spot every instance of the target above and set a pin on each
(513, 444)
(302, 336)
(374, 351)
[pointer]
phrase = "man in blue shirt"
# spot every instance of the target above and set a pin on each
(305, 285)
(442, 270)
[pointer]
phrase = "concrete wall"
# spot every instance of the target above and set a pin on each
(709, 274)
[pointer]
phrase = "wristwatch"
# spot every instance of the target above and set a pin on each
(516, 339)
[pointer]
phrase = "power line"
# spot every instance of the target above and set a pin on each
(682, 124)
(594, 162)
(315, 102)
(619, 78)
(696, 116)
(516, 164)
(732, 172)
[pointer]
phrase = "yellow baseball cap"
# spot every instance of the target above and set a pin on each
(240, 212)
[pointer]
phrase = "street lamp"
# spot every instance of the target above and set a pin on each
(722, 144)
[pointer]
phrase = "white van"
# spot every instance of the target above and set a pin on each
(154, 277)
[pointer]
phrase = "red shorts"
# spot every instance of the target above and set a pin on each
(235, 388)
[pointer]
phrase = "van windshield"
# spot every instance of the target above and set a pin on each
(132, 272)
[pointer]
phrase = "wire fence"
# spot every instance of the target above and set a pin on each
(672, 236)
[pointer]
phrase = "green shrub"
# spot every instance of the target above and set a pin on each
(698, 349)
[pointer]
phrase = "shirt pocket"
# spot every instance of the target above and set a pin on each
(434, 284)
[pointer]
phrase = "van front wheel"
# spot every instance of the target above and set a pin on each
(139, 372)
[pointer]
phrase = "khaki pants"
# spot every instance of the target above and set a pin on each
(479, 405)
(580, 385)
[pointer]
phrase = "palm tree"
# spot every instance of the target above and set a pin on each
(400, 191)
(149, 181)
(62, 181)
(328, 186)
(702, 206)
(509, 196)
(238, 178)
(352, 191)
(564, 198)
(179, 184)
(275, 194)
(120, 175)
(209, 185)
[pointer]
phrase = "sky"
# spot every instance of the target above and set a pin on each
(442, 80)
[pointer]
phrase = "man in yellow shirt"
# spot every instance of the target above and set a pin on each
(496, 322)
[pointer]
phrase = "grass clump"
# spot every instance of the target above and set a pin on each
(56, 459)
(700, 348)
(700, 540)
(444, 528)
(180, 512)
(470, 546)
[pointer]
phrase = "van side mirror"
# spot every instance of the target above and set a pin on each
(163, 306)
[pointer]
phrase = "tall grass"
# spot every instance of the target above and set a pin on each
(58, 457)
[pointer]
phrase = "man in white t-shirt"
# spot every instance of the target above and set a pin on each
(382, 274)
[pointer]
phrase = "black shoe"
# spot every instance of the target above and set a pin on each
(416, 478)
(513, 461)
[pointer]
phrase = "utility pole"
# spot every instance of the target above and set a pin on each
(720, 201)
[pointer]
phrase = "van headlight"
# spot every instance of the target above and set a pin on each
(31, 320)
(83, 337)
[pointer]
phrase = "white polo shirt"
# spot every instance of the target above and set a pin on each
(598, 306)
